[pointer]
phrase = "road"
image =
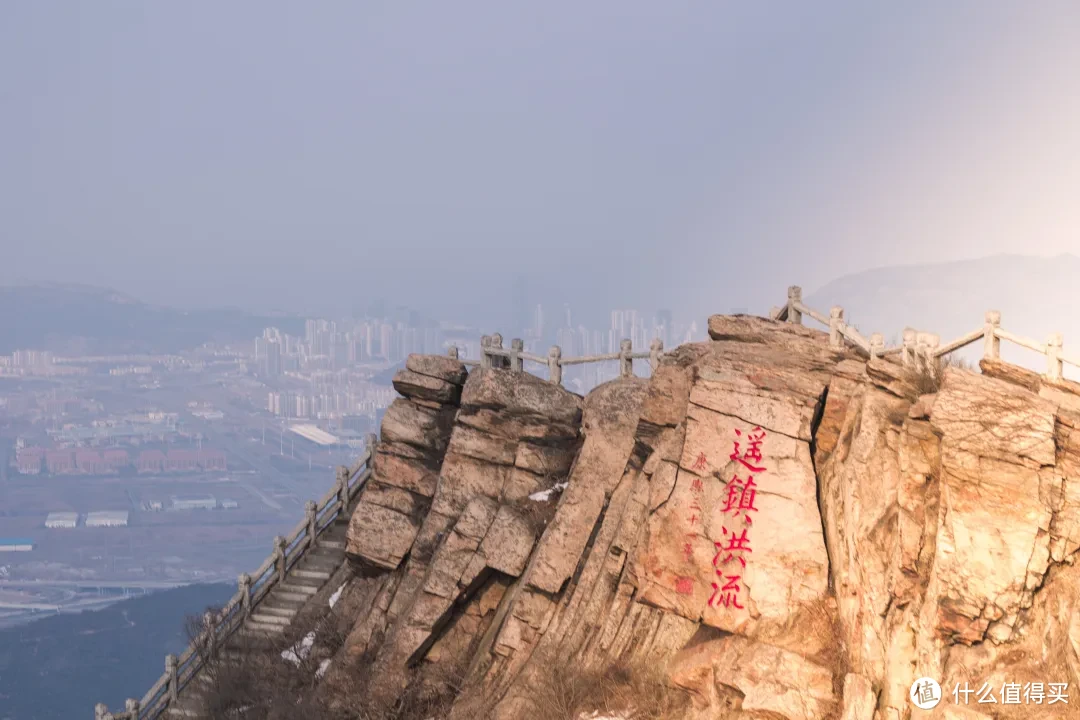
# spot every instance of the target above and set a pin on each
(94, 584)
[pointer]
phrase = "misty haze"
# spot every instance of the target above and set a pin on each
(293, 298)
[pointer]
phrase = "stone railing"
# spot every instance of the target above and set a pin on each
(918, 347)
(492, 354)
(253, 589)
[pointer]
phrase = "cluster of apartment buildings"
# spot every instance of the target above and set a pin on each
(326, 345)
(331, 403)
(35, 460)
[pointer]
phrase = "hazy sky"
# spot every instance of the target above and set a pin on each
(698, 156)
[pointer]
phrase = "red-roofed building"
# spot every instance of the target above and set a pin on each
(116, 459)
(212, 460)
(90, 462)
(180, 460)
(150, 461)
(59, 462)
(29, 460)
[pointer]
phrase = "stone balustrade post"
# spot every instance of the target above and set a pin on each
(907, 354)
(626, 363)
(343, 490)
(279, 557)
(131, 706)
(211, 636)
(243, 582)
(991, 342)
(877, 345)
(452, 352)
(485, 343)
(311, 510)
(171, 670)
(101, 712)
(370, 441)
(794, 295)
(1054, 364)
(836, 324)
(498, 360)
(555, 365)
(656, 351)
(517, 346)
(925, 346)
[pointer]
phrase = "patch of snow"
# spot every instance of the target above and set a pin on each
(323, 667)
(300, 650)
(545, 495)
(337, 595)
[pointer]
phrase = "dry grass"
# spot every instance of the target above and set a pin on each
(253, 682)
(926, 377)
(537, 513)
(637, 692)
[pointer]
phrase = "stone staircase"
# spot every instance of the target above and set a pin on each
(265, 629)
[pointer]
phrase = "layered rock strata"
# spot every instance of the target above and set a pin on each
(788, 529)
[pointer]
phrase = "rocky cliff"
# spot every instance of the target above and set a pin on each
(777, 528)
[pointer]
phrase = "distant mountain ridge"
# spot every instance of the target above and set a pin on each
(1035, 295)
(80, 319)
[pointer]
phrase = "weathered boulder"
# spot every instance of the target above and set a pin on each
(737, 674)
(415, 433)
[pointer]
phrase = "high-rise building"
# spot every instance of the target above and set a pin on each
(272, 364)
(538, 322)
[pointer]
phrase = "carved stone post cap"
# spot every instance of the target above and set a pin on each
(555, 351)
(131, 705)
(279, 541)
(794, 292)
(1055, 339)
(877, 340)
(517, 344)
(370, 439)
(993, 317)
(170, 663)
(243, 579)
(485, 340)
(496, 340)
(836, 311)
(909, 335)
(656, 344)
(310, 507)
(626, 344)
(452, 351)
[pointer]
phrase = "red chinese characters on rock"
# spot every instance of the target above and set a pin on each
(684, 585)
(731, 554)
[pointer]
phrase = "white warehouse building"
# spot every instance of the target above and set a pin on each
(107, 518)
(66, 520)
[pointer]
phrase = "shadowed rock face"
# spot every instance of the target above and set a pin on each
(786, 528)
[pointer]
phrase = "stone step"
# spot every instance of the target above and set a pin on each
(320, 575)
(255, 627)
(283, 593)
(177, 711)
(281, 604)
(333, 543)
(269, 619)
(307, 586)
(327, 560)
(284, 612)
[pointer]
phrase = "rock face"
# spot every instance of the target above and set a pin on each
(788, 530)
